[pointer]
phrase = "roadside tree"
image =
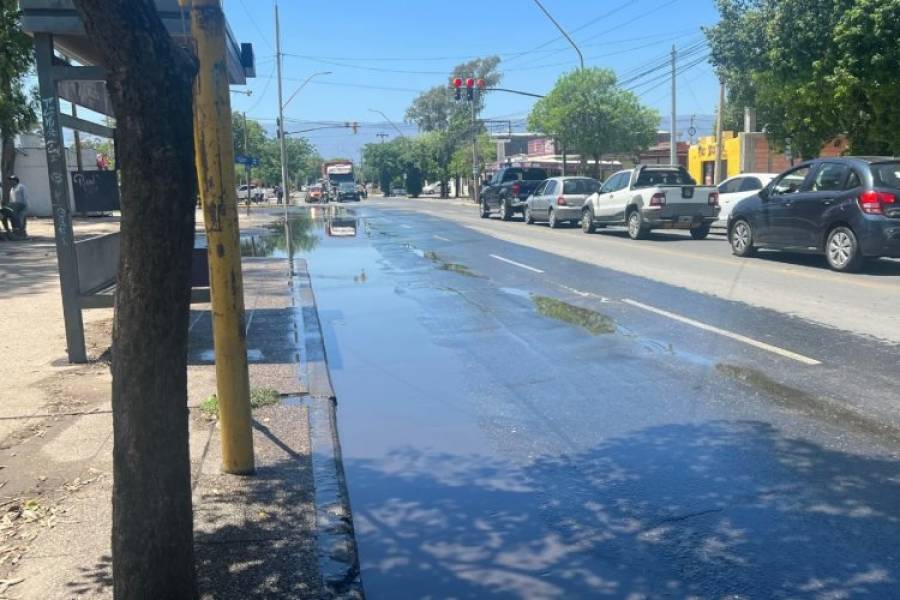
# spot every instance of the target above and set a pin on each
(17, 106)
(591, 116)
(150, 86)
(813, 69)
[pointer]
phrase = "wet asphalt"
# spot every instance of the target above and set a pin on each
(512, 433)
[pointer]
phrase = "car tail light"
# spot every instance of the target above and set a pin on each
(714, 198)
(561, 201)
(515, 188)
(872, 203)
(658, 199)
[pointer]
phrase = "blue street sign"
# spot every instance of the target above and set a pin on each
(246, 160)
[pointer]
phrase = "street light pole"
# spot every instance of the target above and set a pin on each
(673, 155)
(563, 31)
(386, 118)
(284, 189)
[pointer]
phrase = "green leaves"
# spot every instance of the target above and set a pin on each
(18, 110)
(814, 69)
(303, 161)
(591, 116)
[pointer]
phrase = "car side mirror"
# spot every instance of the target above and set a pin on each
(765, 192)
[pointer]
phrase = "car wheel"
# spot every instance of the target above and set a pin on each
(505, 213)
(842, 250)
(741, 239)
(551, 219)
(636, 228)
(587, 220)
(485, 212)
(529, 218)
(700, 233)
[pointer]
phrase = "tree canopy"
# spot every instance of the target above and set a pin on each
(591, 116)
(814, 69)
(303, 159)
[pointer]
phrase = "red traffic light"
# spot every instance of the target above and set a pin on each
(457, 82)
(470, 82)
(480, 84)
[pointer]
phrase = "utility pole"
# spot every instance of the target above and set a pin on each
(215, 173)
(281, 142)
(720, 118)
(673, 154)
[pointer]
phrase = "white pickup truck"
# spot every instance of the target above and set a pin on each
(652, 197)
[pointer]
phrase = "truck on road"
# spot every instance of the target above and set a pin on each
(334, 173)
(652, 197)
(508, 189)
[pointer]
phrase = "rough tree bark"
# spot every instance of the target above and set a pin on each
(7, 162)
(150, 85)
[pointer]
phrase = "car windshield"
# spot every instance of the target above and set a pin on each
(662, 177)
(580, 186)
(887, 175)
(348, 187)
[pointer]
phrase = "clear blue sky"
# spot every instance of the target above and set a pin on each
(383, 53)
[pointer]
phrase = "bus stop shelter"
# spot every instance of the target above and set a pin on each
(69, 68)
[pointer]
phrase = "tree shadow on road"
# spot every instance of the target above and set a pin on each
(698, 510)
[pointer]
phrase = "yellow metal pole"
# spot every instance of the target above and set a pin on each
(214, 151)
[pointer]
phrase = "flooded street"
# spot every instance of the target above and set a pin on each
(511, 427)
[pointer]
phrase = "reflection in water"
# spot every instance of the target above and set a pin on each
(341, 226)
(281, 241)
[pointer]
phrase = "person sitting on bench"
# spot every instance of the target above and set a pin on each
(15, 210)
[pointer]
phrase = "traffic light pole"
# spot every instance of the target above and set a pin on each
(476, 192)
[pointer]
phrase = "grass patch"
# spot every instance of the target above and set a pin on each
(449, 266)
(591, 320)
(259, 397)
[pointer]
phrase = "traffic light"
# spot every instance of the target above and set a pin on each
(277, 128)
(470, 89)
(457, 84)
(355, 126)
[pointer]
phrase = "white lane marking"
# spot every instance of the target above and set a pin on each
(406, 226)
(442, 238)
(583, 294)
(735, 336)
(517, 264)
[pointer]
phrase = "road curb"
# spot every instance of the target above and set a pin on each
(335, 538)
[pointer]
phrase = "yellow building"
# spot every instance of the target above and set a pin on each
(702, 157)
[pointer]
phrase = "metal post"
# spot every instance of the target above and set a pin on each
(476, 196)
(246, 165)
(215, 172)
(563, 31)
(59, 198)
(718, 176)
(284, 166)
(673, 154)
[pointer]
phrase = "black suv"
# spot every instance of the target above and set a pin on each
(846, 208)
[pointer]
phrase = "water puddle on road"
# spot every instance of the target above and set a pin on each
(594, 322)
(302, 233)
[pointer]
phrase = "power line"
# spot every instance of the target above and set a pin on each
(265, 89)
(256, 26)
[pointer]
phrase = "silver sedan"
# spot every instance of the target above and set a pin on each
(559, 199)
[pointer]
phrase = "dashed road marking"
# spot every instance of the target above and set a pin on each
(583, 294)
(405, 226)
(725, 333)
(517, 264)
(442, 238)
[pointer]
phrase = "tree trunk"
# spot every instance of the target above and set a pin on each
(7, 162)
(150, 85)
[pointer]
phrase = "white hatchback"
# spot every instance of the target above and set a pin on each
(735, 189)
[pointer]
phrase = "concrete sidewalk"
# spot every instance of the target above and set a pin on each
(254, 536)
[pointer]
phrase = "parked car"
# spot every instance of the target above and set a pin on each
(508, 189)
(734, 189)
(652, 197)
(347, 191)
(398, 192)
(432, 189)
(559, 199)
(846, 208)
(314, 193)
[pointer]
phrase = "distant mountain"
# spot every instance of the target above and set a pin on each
(339, 141)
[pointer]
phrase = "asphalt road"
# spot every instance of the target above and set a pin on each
(535, 413)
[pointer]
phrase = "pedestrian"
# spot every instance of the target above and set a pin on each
(279, 193)
(18, 204)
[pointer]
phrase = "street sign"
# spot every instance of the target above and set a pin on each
(250, 161)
